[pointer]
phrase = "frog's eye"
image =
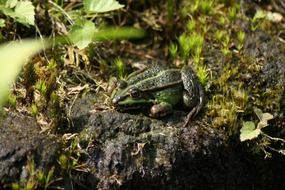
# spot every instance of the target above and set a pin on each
(134, 92)
(121, 84)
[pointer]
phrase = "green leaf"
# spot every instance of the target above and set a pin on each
(263, 117)
(12, 57)
(82, 34)
(24, 13)
(100, 6)
(248, 131)
(258, 112)
(267, 116)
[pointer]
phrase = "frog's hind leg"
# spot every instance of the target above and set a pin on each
(195, 110)
(190, 115)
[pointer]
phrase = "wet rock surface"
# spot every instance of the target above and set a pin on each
(21, 141)
(136, 152)
(129, 150)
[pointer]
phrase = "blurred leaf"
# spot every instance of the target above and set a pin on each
(24, 12)
(82, 34)
(7, 11)
(248, 131)
(13, 56)
(11, 3)
(115, 33)
(101, 6)
(2, 22)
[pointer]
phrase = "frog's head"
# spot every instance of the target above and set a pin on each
(129, 96)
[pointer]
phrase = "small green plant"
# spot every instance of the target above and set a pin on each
(36, 178)
(184, 46)
(45, 180)
(197, 55)
(225, 40)
(41, 86)
(202, 74)
(170, 13)
(69, 160)
(258, 17)
(205, 6)
(120, 67)
(63, 162)
(34, 109)
(190, 43)
(219, 35)
(12, 100)
(190, 25)
(222, 20)
(173, 50)
(52, 65)
(232, 13)
(193, 7)
(241, 38)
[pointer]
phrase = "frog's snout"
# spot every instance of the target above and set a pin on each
(117, 99)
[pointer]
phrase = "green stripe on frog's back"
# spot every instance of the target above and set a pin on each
(150, 72)
(163, 78)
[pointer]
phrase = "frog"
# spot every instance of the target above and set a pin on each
(159, 88)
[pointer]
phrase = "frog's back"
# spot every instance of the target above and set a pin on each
(161, 80)
(155, 67)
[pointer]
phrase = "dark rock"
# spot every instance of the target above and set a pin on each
(130, 151)
(135, 152)
(268, 82)
(21, 141)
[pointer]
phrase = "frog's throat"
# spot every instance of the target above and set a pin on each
(133, 102)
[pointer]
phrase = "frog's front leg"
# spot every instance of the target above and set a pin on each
(160, 110)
